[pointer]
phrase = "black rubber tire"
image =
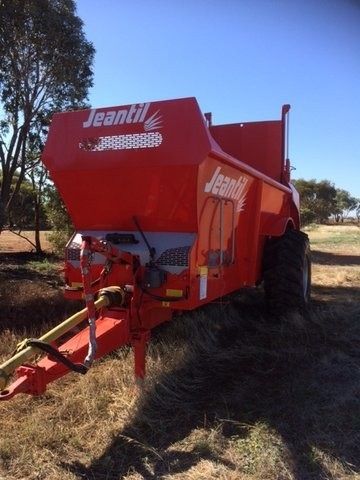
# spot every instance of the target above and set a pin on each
(287, 273)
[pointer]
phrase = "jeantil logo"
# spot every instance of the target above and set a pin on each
(228, 187)
(134, 114)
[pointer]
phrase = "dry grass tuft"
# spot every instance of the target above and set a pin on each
(231, 394)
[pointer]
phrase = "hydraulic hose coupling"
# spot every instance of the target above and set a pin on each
(116, 296)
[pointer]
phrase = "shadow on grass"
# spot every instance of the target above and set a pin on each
(22, 258)
(31, 293)
(35, 316)
(326, 258)
(325, 296)
(301, 378)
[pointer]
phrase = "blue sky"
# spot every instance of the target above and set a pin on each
(242, 59)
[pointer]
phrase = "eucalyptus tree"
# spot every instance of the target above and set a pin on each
(345, 203)
(45, 66)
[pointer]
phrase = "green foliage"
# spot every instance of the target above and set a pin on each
(307, 216)
(21, 216)
(58, 219)
(43, 47)
(44, 266)
(319, 200)
(345, 204)
(22, 213)
(45, 66)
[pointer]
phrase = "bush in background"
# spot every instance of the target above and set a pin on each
(59, 220)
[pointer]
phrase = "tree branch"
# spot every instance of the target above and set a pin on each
(18, 234)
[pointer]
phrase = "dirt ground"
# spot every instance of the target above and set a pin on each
(229, 395)
(9, 242)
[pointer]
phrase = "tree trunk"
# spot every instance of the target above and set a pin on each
(5, 192)
(37, 225)
(2, 216)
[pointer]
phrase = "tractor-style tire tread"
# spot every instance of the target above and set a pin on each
(285, 259)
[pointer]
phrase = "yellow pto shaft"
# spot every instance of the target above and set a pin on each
(7, 368)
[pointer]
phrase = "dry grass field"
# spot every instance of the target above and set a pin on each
(10, 242)
(231, 394)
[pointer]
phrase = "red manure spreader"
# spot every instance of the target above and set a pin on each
(171, 212)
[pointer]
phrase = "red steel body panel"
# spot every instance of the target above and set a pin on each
(103, 188)
(161, 163)
(222, 190)
(258, 143)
